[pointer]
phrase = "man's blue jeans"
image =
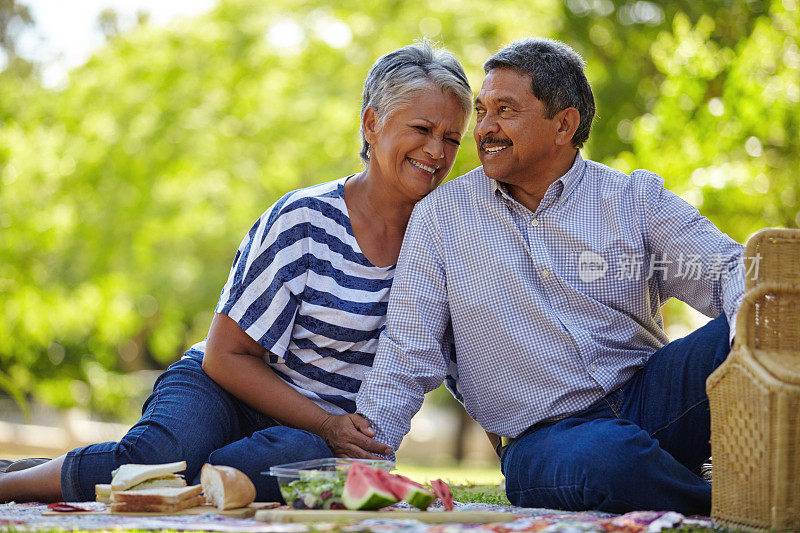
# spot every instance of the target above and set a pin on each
(188, 417)
(639, 448)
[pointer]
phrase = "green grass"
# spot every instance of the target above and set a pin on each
(469, 484)
(480, 494)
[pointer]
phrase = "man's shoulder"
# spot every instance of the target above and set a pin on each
(610, 178)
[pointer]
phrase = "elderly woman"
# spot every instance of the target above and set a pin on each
(298, 320)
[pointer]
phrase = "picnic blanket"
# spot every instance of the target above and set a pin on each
(29, 517)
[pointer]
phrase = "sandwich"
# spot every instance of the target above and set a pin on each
(102, 492)
(136, 477)
(226, 487)
(160, 500)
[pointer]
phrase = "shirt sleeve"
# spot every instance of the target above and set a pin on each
(690, 258)
(268, 276)
(412, 357)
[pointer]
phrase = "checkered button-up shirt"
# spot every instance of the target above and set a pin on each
(548, 311)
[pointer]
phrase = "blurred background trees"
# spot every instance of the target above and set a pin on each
(125, 192)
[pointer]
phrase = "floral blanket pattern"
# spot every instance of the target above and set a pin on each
(30, 517)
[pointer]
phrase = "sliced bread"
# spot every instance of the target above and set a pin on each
(126, 476)
(102, 492)
(163, 495)
(153, 507)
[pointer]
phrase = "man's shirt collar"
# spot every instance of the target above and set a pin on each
(557, 192)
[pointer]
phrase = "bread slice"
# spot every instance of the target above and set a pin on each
(143, 507)
(102, 492)
(226, 487)
(166, 495)
(126, 476)
(174, 480)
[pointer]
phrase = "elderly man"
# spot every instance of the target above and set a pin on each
(545, 273)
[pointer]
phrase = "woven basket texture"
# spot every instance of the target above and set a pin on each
(772, 254)
(754, 398)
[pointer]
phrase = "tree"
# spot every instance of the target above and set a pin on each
(124, 195)
(14, 19)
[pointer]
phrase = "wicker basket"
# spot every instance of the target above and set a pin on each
(774, 255)
(754, 398)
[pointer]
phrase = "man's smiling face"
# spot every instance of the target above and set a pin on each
(514, 136)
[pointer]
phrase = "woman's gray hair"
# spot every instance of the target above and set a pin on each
(557, 77)
(396, 76)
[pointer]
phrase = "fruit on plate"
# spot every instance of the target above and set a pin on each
(366, 490)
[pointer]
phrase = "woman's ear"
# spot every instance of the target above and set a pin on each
(369, 125)
(568, 120)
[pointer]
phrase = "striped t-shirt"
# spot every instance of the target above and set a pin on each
(301, 287)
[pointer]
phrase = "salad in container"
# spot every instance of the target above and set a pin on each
(318, 483)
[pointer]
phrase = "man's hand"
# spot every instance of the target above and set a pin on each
(351, 436)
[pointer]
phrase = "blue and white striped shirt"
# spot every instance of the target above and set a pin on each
(301, 287)
(549, 310)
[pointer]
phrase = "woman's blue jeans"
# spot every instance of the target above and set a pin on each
(639, 448)
(188, 417)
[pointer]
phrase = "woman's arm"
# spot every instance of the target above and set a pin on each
(234, 361)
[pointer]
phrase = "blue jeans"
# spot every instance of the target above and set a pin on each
(639, 448)
(188, 417)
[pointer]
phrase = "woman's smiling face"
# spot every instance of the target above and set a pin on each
(414, 148)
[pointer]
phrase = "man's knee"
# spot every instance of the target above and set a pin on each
(580, 465)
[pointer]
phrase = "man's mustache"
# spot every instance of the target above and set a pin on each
(494, 140)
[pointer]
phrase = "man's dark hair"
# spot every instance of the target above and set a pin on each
(557, 77)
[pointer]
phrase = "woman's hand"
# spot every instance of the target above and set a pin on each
(351, 436)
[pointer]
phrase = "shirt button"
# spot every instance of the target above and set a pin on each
(545, 273)
(592, 367)
(535, 222)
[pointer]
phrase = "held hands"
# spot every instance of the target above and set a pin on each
(351, 436)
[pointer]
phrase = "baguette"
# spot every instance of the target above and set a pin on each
(226, 487)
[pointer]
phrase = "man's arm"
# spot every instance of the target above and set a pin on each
(410, 360)
(700, 265)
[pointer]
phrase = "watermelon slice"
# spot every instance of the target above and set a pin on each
(408, 490)
(365, 489)
(442, 491)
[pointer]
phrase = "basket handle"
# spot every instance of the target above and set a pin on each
(745, 319)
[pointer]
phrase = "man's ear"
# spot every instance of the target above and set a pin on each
(369, 125)
(567, 120)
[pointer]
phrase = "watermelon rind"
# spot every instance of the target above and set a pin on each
(373, 499)
(408, 490)
(419, 498)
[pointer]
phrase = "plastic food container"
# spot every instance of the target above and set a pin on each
(317, 484)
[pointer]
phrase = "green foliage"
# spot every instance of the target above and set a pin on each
(124, 193)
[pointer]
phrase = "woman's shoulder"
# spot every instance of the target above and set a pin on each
(330, 192)
(309, 204)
